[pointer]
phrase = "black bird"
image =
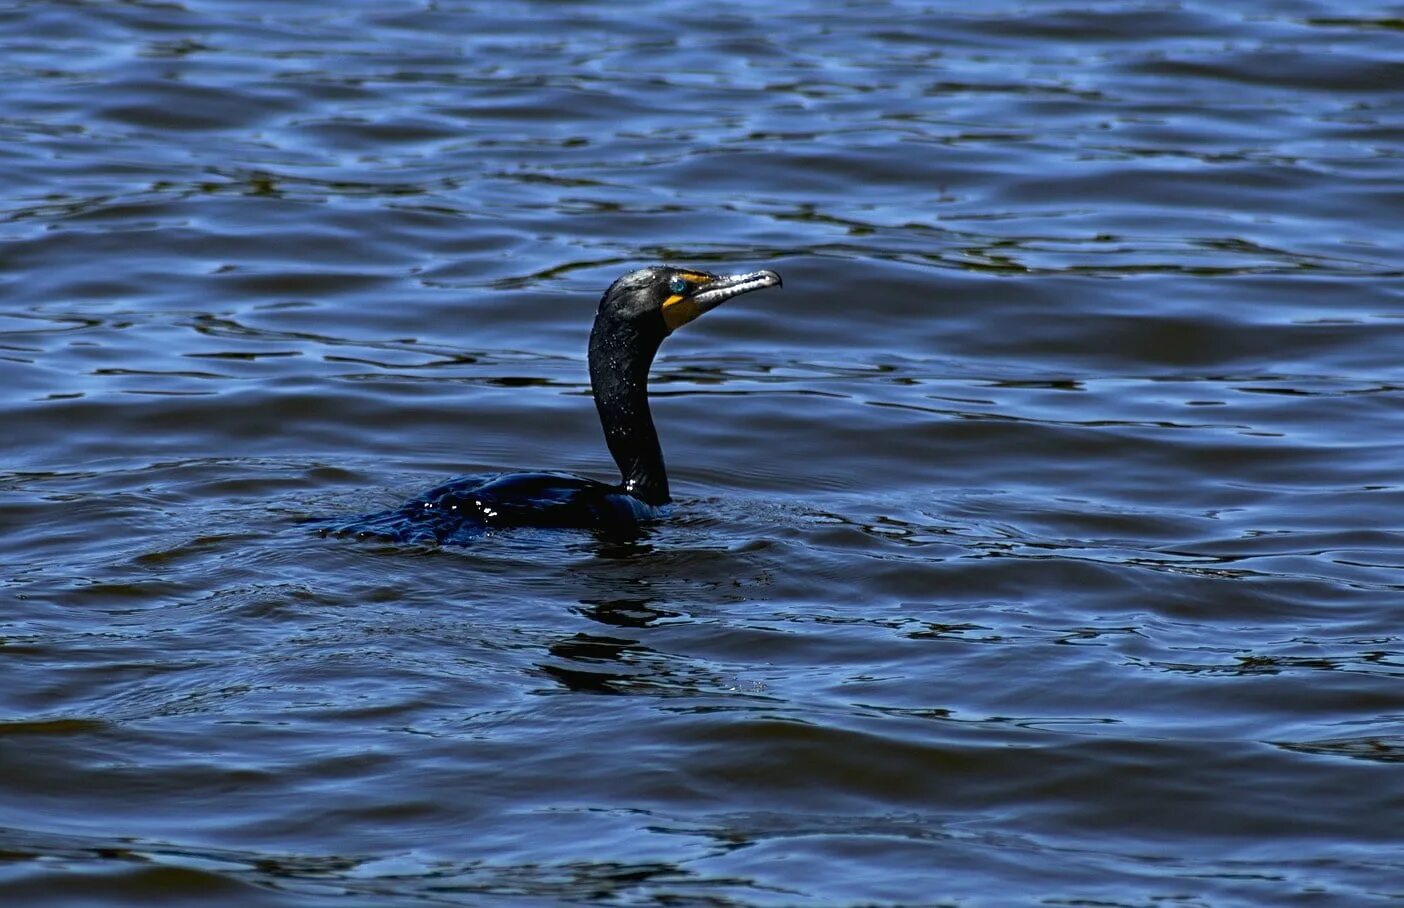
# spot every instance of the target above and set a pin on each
(636, 313)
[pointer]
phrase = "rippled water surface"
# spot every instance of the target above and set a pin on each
(1039, 543)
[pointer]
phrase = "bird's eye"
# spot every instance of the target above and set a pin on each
(677, 286)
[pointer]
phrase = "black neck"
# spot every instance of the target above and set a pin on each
(621, 352)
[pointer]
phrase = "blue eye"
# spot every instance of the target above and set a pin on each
(677, 286)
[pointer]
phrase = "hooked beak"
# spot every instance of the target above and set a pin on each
(711, 292)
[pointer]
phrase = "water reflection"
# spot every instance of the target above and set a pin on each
(637, 613)
(594, 663)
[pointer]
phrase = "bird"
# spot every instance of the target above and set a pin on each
(636, 314)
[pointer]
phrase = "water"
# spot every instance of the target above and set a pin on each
(1039, 543)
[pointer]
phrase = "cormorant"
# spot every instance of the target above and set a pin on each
(635, 314)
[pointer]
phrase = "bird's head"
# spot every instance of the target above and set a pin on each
(676, 296)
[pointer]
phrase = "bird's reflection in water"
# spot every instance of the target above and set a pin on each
(626, 612)
(609, 664)
(622, 544)
(646, 596)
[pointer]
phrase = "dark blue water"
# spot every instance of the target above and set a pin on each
(1039, 543)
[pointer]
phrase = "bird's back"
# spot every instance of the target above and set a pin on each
(469, 506)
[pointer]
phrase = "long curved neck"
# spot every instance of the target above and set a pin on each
(621, 352)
